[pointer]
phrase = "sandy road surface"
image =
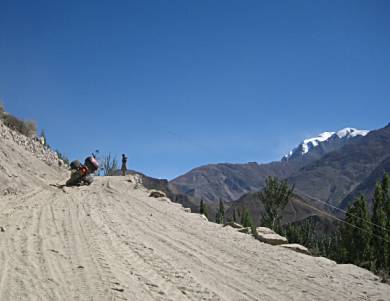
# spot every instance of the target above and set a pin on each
(110, 241)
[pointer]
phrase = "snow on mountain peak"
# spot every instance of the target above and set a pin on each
(351, 132)
(310, 143)
(313, 142)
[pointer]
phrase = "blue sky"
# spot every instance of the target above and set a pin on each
(179, 84)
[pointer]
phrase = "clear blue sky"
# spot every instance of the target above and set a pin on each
(178, 84)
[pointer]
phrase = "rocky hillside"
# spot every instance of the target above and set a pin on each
(112, 241)
(367, 187)
(17, 156)
(230, 181)
(163, 185)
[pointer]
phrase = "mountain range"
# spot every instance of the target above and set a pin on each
(333, 167)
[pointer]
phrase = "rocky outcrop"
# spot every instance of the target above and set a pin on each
(204, 217)
(246, 230)
(233, 225)
(297, 248)
(268, 236)
(157, 194)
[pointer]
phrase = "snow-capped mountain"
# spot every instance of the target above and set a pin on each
(324, 143)
(327, 171)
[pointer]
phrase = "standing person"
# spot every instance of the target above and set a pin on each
(124, 166)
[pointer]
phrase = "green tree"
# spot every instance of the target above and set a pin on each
(302, 233)
(246, 220)
(203, 209)
(380, 236)
(386, 201)
(239, 213)
(220, 216)
(357, 234)
(274, 197)
(206, 211)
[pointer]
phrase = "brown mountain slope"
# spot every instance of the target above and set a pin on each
(367, 187)
(230, 181)
(338, 173)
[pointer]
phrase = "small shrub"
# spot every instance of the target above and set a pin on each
(1, 110)
(383, 275)
(27, 128)
(254, 231)
(12, 122)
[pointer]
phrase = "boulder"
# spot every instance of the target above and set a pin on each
(268, 236)
(246, 230)
(204, 217)
(157, 194)
(233, 225)
(297, 248)
(265, 230)
(165, 200)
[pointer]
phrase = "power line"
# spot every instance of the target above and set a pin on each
(345, 222)
(345, 212)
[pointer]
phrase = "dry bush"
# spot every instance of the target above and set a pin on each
(12, 122)
(109, 165)
(1, 110)
(27, 128)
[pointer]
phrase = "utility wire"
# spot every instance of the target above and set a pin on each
(345, 222)
(345, 212)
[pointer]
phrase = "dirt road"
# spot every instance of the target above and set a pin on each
(110, 241)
